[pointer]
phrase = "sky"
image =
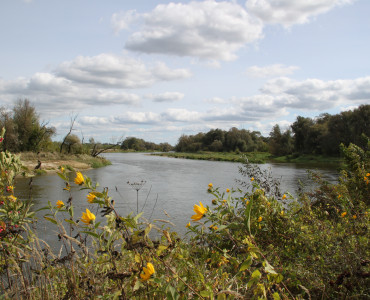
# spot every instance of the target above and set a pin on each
(157, 70)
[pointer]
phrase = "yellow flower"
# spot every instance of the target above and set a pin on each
(188, 225)
(59, 204)
(12, 198)
(252, 179)
(87, 217)
(227, 190)
(213, 227)
(284, 197)
(343, 214)
(148, 271)
(368, 174)
(259, 219)
(90, 198)
(210, 185)
(282, 212)
(79, 178)
(354, 217)
(247, 202)
(339, 196)
(61, 169)
(199, 212)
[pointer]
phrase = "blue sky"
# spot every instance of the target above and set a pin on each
(159, 69)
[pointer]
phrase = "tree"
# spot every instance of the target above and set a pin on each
(24, 132)
(73, 143)
(10, 141)
(73, 119)
(300, 130)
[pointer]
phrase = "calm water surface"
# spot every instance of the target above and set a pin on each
(172, 185)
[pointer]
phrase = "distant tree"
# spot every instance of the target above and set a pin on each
(300, 130)
(72, 143)
(72, 122)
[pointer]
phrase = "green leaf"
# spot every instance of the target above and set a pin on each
(172, 294)
(205, 293)
(248, 214)
(70, 210)
(62, 176)
(269, 268)
(276, 296)
(91, 233)
(256, 274)
(246, 264)
(148, 229)
(51, 220)
(70, 221)
(43, 208)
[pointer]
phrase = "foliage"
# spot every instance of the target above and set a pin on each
(250, 243)
(135, 144)
(24, 131)
(217, 140)
(324, 134)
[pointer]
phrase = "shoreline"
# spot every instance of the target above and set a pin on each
(49, 163)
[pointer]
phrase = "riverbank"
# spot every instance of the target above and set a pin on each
(254, 157)
(50, 162)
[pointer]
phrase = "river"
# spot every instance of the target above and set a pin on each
(171, 186)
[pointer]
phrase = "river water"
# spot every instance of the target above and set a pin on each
(172, 186)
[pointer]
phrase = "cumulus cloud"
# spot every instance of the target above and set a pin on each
(166, 97)
(290, 12)
(54, 94)
(316, 94)
(208, 30)
(122, 20)
(181, 115)
(137, 118)
(275, 70)
(108, 70)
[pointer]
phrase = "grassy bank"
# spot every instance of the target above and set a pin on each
(51, 161)
(254, 157)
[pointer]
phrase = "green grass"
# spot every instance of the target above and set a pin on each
(254, 157)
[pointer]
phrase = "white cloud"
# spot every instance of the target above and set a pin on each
(290, 12)
(275, 70)
(316, 94)
(181, 115)
(166, 97)
(108, 70)
(86, 120)
(122, 20)
(208, 30)
(53, 94)
(137, 118)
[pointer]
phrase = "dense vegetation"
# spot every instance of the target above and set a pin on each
(135, 144)
(253, 242)
(321, 135)
(24, 130)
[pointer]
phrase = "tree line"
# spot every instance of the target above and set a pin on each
(320, 135)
